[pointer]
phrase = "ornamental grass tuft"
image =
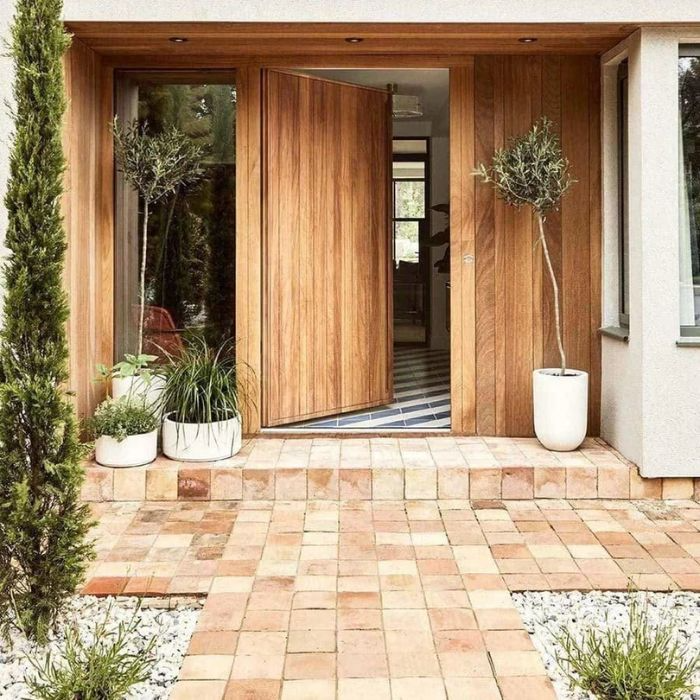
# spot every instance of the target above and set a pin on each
(104, 664)
(640, 661)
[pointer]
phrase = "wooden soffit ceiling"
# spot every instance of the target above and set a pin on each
(231, 40)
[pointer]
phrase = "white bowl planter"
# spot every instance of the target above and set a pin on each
(132, 451)
(201, 442)
(137, 386)
(560, 408)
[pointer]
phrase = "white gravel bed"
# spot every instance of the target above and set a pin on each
(545, 613)
(171, 623)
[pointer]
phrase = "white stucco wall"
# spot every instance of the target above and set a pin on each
(621, 397)
(385, 10)
(651, 387)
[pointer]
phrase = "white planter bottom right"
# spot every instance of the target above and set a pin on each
(560, 408)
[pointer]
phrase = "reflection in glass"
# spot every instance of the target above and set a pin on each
(190, 264)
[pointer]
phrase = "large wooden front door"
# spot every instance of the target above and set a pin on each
(327, 332)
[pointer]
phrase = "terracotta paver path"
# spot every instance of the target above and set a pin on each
(407, 600)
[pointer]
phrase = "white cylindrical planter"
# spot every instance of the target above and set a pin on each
(206, 442)
(132, 451)
(137, 387)
(560, 408)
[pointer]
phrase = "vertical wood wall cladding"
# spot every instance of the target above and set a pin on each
(514, 330)
(88, 212)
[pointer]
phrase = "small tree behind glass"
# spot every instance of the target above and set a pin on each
(155, 165)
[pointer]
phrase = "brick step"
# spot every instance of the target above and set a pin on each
(165, 480)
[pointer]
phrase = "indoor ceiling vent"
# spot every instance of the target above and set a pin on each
(405, 106)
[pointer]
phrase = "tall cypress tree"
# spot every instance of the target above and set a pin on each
(43, 550)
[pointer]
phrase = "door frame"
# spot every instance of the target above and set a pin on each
(249, 228)
(249, 220)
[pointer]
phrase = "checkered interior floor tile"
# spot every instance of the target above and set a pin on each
(421, 397)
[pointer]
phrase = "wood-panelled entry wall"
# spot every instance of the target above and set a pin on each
(502, 320)
(501, 303)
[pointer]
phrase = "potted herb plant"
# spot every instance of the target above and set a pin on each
(133, 378)
(201, 403)
(125, 432)
(532, 171)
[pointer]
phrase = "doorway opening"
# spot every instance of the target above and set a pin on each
(417, 395)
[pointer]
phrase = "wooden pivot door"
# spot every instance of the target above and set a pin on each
(327, 325)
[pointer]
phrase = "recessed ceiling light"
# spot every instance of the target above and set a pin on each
(354, 39)
(527, 40)
(178, 39)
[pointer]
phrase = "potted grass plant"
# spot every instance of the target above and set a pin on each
(125, 432)
(532, 171)
(201, 403)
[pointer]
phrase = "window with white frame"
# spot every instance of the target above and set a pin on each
(623, 200)
(689, 181)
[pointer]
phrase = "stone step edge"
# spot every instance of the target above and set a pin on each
(209, 482)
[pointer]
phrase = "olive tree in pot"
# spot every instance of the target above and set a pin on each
(201, 403)
(156, 166)
(532, 171)
(125, 432)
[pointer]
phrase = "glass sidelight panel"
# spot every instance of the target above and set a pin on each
(190, 260)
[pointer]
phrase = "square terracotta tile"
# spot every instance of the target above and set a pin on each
(581, 482)
(323, 484)
(417, 689)
(484, 483)
(413, 664)
(161, 484)
(258, 689)
(213, 643)
(550, 482)
(206, 667)
(354, 688)
(309, 665)
(311, 641)
(355, 484)
(453, 482)
(308, 690)
(421, 483)
(226, 484)
(258, 484)
(517, 483)
(472, 688)
(387, 483)
(130, 484)
(196, 690)
(290, 484)
(253, 666)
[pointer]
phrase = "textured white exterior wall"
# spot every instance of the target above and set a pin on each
(670, 374)
(651, 387)
(385, 10)
(621, 390)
